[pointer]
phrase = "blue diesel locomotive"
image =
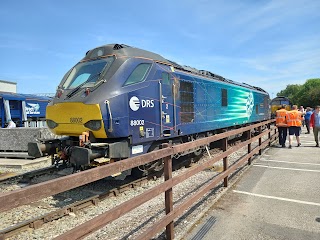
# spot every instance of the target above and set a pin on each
(120, 101)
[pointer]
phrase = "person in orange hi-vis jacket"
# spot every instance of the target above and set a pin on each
(281, 123)
(294, 122)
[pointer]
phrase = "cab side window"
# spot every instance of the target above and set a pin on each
(138, 74)
(224, 97)
(165, 78)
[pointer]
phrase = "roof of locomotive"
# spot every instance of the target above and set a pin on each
(122, 50)
(280, 98)
(128, 51)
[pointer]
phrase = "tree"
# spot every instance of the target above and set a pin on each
(307, 95)
(291, 92)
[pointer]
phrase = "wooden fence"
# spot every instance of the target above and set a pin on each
(41, 190)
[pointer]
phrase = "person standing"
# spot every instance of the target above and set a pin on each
(281, 123)
(315, 124)
(294, 121)
(303, 113)
(307, 117)
(11, 124)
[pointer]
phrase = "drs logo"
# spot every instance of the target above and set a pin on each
(135, 103)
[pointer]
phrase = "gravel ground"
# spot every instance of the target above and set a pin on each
(13, 184)
(25, 168)
(130, 225)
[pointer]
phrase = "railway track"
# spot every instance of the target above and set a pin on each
(37, 222)
(28, 176)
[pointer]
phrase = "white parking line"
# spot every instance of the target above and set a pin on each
(278, 198)
(315, 164)
(294, 169)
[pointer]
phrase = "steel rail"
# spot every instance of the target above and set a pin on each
(37, 222)
(26, 177)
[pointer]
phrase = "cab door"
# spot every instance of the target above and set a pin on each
(167, 106)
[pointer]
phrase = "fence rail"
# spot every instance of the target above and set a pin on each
(35, 192)
(96, 223)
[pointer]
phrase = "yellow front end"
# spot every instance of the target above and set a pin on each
(72, 119)
(274, 108)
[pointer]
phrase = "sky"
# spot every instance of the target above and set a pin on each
(265, 43)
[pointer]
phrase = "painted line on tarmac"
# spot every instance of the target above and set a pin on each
(278, 198)
(282, 168)
(307, 141)
(315, 164)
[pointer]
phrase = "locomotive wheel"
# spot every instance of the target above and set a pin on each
(199, 151)
(149, 168)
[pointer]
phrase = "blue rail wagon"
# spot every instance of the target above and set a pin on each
(26, 110)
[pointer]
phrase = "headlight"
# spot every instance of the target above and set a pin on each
(93, 124)
(52, 124)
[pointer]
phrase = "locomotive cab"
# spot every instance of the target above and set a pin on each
(115, 99)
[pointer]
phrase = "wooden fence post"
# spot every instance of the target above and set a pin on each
(260, 139)
(225, 160)
(269, 134)
(168, 193)
(249, 145)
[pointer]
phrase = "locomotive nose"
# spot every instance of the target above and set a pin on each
(72, 119)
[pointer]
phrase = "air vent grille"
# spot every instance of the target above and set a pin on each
(117, 46)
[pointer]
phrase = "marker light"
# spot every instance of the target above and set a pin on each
(59, 93)
(87, 91)
(52, 124)
(93, 124)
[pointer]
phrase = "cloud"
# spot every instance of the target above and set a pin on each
(128, 38)
(243, 21)
(19, 46)
(293, 58)
(190, 35)
(62, 55)
(254, 20)
(289, 63)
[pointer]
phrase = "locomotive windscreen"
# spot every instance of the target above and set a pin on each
(86, 74)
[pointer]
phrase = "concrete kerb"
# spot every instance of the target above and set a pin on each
(22, 163)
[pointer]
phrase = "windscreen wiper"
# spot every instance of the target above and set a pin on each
(98, 84)
(74, 91)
